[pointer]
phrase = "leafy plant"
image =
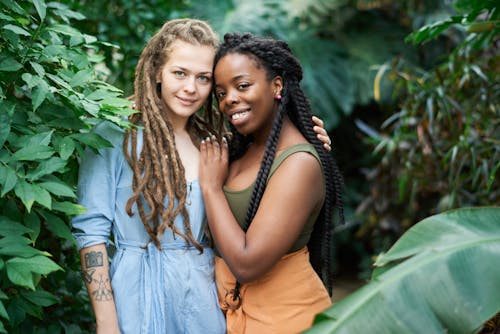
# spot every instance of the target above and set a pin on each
(50, 95)
(439, 147)
(437, 278)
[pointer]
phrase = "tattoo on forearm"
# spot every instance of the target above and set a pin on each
(103, 291)
(99, 289)
(87, 275)
(93, 259)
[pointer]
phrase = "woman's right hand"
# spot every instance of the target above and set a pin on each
(214, 161)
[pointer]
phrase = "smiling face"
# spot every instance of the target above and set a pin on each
(186, 79)
(245, 94)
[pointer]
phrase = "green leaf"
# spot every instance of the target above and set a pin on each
(65, 30)
(66, 147)
(32, 153)
(65, 13)
(3, 314)
(8, 179)
(17, 310)
(42, 196)
(441, 273)
(98, 95)
(40, 297)
(42, 138)
(16, 29)
(39, 94)
(58, 188)
(14, 6)
(81, 78)
(20, 270)
(92, 139)
(32, 221)
(10, 65)
(25, 192)
(76, 40)
(5, 119)
(9, 227)
(57, 226)
(58, 80)
(68, 208)
(41, 8)
(18, 246)
(46, 167)
(39, 69)
(30, 79)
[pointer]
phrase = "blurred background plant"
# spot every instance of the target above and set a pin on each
(439, 145)
(414, 120)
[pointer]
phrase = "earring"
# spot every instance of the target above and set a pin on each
(278, 97)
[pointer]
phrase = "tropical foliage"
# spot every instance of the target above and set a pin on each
(50, 95)
(438, 148)
(437, 278)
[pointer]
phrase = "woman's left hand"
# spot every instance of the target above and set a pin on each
(214, 159)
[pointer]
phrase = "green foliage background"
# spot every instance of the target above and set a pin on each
(415, 126)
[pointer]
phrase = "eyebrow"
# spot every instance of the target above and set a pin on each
(187, 70)
(236, 78)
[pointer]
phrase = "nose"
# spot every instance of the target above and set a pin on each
(190, 86)
(232, 97)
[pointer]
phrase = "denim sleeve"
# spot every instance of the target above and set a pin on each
(96, 191)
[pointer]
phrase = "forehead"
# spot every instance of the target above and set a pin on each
(195, 57)
(235, 65)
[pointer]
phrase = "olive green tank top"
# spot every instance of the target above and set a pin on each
(239, 199)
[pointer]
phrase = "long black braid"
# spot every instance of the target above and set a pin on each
(277, 59)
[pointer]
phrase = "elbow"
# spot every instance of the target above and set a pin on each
(247, 273)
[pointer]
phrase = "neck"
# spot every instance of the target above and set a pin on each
(259, 142)
(179, 125)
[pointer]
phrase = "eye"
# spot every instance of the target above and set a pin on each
(243, 86)
(204, 78)
(220, 95)
(179, 74)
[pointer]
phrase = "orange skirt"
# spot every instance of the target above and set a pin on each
(285, 300)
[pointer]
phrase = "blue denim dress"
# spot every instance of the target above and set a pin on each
(171, 290)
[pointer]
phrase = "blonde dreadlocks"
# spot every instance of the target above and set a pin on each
(158, 170)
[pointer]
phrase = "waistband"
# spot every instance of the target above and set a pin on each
(146, 247)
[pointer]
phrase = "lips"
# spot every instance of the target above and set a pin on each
(186, 101)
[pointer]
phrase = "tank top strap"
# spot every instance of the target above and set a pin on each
(302, 147)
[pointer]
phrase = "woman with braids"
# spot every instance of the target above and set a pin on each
(270, 211)
(145, 192)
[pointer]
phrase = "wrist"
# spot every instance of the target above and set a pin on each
(211, 190)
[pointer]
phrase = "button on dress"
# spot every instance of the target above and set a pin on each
(171, 290)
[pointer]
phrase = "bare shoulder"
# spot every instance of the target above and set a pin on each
(301, 162)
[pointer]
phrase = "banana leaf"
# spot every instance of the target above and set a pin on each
(441, 276)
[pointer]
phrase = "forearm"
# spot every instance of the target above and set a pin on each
(229, 238)
(95, 273)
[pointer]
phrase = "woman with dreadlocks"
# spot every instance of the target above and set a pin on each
(145, 192)
(270, 212)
